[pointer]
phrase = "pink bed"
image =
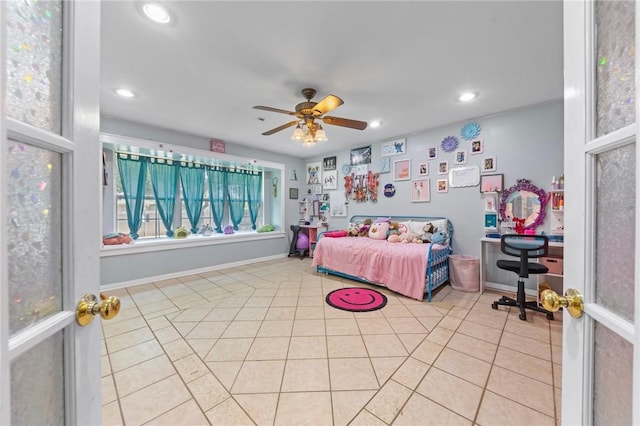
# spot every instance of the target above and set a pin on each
(406, 268)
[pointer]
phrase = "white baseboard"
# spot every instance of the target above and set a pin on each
(147, 280)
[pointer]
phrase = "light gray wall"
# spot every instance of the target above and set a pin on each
(131, 267)
(527, 143)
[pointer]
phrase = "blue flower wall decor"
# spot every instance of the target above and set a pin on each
(470, 131)
(449, 143)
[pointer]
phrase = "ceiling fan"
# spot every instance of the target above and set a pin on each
(307, 112)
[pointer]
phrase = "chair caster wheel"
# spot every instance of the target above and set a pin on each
(550, 316)
(494, 305)
(522, 316)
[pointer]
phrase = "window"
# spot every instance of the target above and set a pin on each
(151, 225)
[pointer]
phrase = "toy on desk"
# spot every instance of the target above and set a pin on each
(519, 225)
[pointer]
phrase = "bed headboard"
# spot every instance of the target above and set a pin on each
(362, 218)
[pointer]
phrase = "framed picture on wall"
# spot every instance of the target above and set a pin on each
(329, 163)
(314, 173)
(330, 179)
(461, 156)
(394, 147)
(361, 155)
(443, 167)
(420, 191)
(491, 183)
(443, 186)
(423, 169)
(293, 193)
(477, 147)
(402, 170)
(385, 165)
(489, 164)
(432, 153)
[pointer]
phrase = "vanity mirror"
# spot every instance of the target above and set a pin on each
(524, 201)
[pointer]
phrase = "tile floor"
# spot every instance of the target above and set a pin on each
(258, 345)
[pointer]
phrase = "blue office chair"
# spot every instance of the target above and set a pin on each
(525, 247)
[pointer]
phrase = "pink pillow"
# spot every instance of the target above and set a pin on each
(335, 234)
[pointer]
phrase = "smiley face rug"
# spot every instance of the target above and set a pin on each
(356, 299)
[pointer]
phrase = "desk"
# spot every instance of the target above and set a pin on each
(555, 249)
(312, 232)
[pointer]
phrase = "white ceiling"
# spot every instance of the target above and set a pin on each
(403, 63)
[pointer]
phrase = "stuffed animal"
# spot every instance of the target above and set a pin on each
(116, 238)
(181, 233)
(266, 228)
(427, 232)
(378, 230)
(417, 240)
(393, 229)
(439, 237)
(406, 238)
(394, 238)
(228, 230)
(364, 231)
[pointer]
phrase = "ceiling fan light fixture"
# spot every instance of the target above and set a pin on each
(374, 124)
(125, 93)
(298, 134)
(320, 135)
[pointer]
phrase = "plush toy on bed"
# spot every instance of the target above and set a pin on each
(439, 237)
(394, 238)
(378, 230)
(393, 229)
(406, 238)
(427, 232)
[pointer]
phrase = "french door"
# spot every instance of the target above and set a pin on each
(49, 211)
(601, 349)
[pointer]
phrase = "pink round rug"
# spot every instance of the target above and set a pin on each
(356, 299)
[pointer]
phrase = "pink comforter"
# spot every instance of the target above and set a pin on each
(401, 267)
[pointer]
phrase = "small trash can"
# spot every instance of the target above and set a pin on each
(464, 273)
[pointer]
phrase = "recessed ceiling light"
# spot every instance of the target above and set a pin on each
(156, 13)
(467, 96)
(125, 93)
(374, 124)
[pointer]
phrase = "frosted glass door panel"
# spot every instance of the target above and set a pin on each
(34, 63)
(612, 377)
(37, 385)
(615, 68)
(615, 225)
(34, 234)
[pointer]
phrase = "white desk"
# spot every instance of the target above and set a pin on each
(554, 248)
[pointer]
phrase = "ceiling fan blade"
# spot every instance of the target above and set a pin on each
(277, 129)
(328, 103)
(345, 122)
(266, 108)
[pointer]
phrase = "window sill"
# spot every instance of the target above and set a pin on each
(164, 244)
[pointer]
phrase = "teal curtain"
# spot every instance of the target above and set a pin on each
(192, 179)
(217, 186)
(236, 182)
(133, 171)
(254, 196)
(164, 179)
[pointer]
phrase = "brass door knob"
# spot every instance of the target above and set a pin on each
(572, 301)
(88, 307)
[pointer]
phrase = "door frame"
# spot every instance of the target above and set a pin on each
(579, 163)
(81, 198)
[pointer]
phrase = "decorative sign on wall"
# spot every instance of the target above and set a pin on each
(464, 176)
(394, 147)
(385, 165)
(217, 146)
